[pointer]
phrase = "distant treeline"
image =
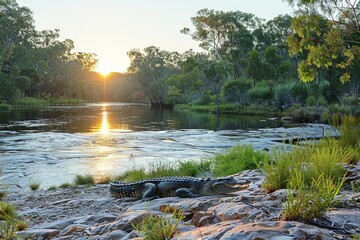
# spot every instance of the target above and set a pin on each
(309, 59)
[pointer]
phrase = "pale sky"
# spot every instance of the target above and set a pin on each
(110, 28)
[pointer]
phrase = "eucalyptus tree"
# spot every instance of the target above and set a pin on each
(16, 24)
(152, 67)
(227, 35)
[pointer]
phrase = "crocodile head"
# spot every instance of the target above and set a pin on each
(229, 185)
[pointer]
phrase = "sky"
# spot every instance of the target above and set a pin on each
(110, 28)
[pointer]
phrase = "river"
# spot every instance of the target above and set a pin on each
(51, 145)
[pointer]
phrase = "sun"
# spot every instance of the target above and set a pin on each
(104, 68)
(103, 71)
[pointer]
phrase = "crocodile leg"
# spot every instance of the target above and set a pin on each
(185, 193)
(149, 192)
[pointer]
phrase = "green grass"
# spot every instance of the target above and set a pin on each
(66, 101)
(183, 168)
(51, 188)
(325, 158)
(31, 102)
(237, 159)
(228, 109)
(84, 180)
(155, 227)
(310, 201)
(67, 185)
(34, 186)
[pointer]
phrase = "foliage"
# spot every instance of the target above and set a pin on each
(237, 159)
(303, 114)
(225, 35)
(327, 32)
(5, 107)
(155, 227)
(84, 179)
(9, 222)
(235, 91)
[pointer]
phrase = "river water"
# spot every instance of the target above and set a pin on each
(51, 145)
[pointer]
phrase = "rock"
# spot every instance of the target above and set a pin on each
(276, 230)
(115, 235)
(124, 222)
(233, 230)
(39, 233)
(203, 218)
(60, 224)
(73, 228)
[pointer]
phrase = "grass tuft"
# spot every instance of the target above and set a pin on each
(84, 180)
(155, 227)
(34, 186)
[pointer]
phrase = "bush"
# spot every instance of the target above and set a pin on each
(302, 114)
(206, 98)
(260, 93)
(235, 91)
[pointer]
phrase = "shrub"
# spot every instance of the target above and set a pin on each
(84, 179)
(155, 227)
(237, 159)
(301, 114)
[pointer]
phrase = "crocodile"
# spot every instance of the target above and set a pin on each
(184, 187)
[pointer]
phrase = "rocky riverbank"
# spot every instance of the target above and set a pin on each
(91, 213)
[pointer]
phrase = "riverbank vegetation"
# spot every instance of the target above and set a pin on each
(304, 66)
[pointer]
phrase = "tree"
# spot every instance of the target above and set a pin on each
(271, 67)
(186, 83)
(16, 24)
(226, 35)
(328, 33)
(152, 67)
(215, 77)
